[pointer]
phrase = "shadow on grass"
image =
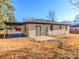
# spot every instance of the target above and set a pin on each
(17, 35)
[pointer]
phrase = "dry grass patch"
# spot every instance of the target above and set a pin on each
(73, 41)
(28, 48)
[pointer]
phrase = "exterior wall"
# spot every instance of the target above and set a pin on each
(68, 30)
(57, 32)
(63, 27)
(56, 29)
(24, 30)
(32, 29)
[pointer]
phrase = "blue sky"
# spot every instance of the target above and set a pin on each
(40, 8)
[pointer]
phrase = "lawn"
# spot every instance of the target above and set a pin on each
(28, 48)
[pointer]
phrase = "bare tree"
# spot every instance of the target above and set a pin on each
(51, 15)
(75, 3)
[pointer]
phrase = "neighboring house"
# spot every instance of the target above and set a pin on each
(75, 26)
(75, 29)
(44, 28)
(67, 22)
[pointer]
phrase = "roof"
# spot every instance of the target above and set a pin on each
(13, 23)
(52, 23)
(35, 22)
(21, 23)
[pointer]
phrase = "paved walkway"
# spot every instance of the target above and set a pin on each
(48, 38)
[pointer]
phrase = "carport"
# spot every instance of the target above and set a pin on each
(10, 33)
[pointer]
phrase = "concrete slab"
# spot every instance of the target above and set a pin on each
(44, 38)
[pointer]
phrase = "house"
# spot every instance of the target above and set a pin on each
(76, 26)
(43, 28)
(75, 29)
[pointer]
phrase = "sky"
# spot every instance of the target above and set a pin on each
(64, 11)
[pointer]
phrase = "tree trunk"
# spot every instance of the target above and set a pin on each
(4, 29)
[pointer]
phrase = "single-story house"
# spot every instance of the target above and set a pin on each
(42, 28)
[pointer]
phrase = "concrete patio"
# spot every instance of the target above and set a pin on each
(44, 38)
